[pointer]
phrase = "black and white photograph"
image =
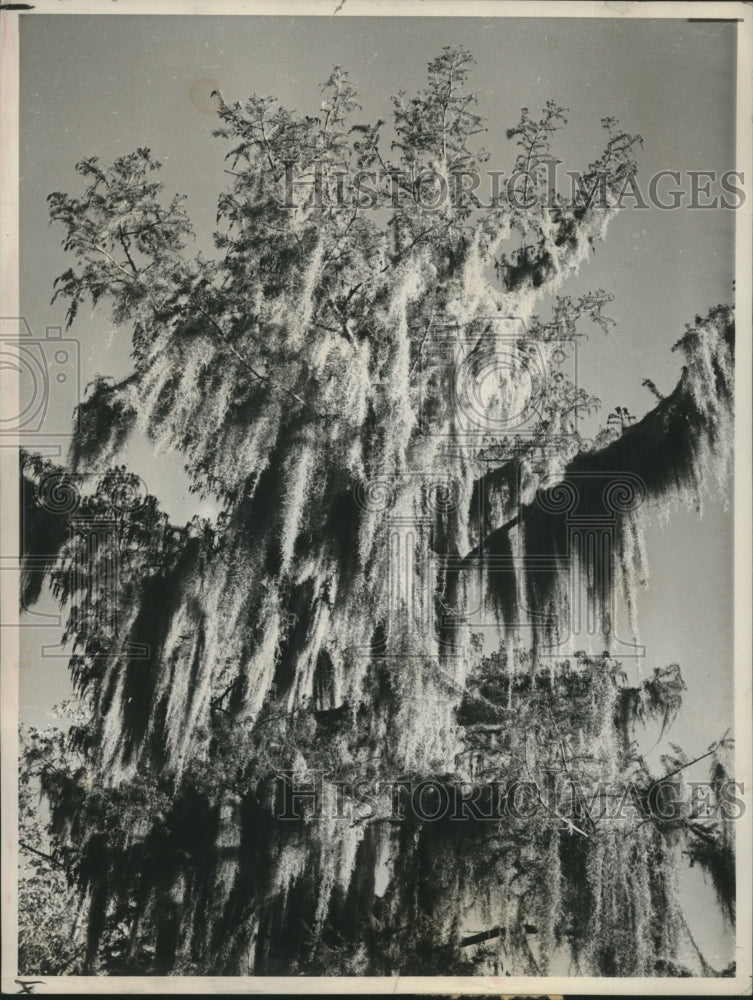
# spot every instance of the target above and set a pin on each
(376, 497)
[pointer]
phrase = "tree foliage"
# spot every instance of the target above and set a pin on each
(305, 375)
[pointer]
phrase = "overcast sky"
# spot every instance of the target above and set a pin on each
(105, 85)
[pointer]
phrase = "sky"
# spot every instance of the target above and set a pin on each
(105, 85)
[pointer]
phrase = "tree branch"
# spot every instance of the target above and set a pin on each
(47, 857)
(124, 244)
(495, 932)
(249, 368)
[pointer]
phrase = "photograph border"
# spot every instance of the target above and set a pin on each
(743, 497)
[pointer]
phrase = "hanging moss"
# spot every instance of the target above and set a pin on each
(678, 445)
(44, 528)
(320, 624)
(105, 420)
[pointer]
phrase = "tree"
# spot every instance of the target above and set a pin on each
(47, 905)
(303, 375)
